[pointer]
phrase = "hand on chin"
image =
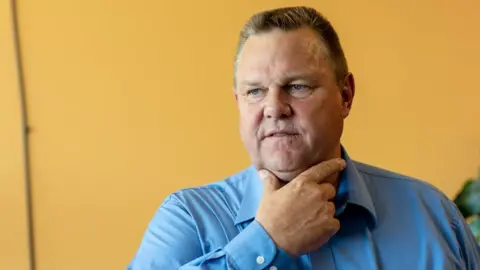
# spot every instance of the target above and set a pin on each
(284, 172)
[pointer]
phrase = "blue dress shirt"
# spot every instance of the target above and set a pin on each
(388, 221)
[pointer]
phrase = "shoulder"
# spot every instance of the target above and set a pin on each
(228, 190)
(412, 199)
(409, 196)
(413, 194)
(390, 181)
(419, 202)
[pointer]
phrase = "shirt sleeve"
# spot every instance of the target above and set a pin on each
(469, 248)
(171, 242)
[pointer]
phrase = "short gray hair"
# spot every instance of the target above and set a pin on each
(292, 18)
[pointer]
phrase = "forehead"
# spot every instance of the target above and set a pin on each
(277, 53)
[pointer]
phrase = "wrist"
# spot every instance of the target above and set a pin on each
(278, 239)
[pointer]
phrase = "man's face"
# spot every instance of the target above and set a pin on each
(291, 107)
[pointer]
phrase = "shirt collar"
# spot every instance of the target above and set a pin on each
(251, 196)
(352, 189)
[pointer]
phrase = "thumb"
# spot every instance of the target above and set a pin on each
(270, 181)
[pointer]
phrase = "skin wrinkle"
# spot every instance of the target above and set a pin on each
(314, 53)
(316, 47)
(269, 60)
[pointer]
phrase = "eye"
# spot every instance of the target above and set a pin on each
(298, 87)
(299, 90)
(255, 94)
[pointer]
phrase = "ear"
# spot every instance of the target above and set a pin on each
(348, 93)
(234, 91)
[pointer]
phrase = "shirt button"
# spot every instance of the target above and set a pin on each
(260, 259)
(273, 268)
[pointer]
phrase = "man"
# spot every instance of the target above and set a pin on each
(303, 204)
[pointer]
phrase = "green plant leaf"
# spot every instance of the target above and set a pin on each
(474, 224)
(468, 200)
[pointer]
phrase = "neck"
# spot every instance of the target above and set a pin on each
(287, 176)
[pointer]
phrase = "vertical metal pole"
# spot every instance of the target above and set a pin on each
(25, 133)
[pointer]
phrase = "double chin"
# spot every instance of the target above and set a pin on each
(285, 166)
(287, 176)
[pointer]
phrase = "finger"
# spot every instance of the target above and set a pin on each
(328, 229)
(327, 191)
(321, 171)
(270, 181)
(333, 226)
(330, 209)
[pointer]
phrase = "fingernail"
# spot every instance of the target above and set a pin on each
(262, 174)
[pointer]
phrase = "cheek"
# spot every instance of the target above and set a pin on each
(249, 121)
(319, 115)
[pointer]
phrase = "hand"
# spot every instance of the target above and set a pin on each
(299, 216)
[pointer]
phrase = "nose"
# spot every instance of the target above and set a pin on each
(276, 105)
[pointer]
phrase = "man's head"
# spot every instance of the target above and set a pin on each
(293, 90)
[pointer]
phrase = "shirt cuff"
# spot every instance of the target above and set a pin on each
(254, 249)
(283, 260)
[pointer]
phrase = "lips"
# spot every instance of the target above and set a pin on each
(280, 133)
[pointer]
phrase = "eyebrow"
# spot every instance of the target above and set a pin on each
(250, 83)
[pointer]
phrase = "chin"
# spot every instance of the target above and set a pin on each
(286, 169)
(285, 176)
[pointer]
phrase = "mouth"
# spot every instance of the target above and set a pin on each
(280, 134)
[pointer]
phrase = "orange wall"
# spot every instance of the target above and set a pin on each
(13, 221)
(130, 101)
